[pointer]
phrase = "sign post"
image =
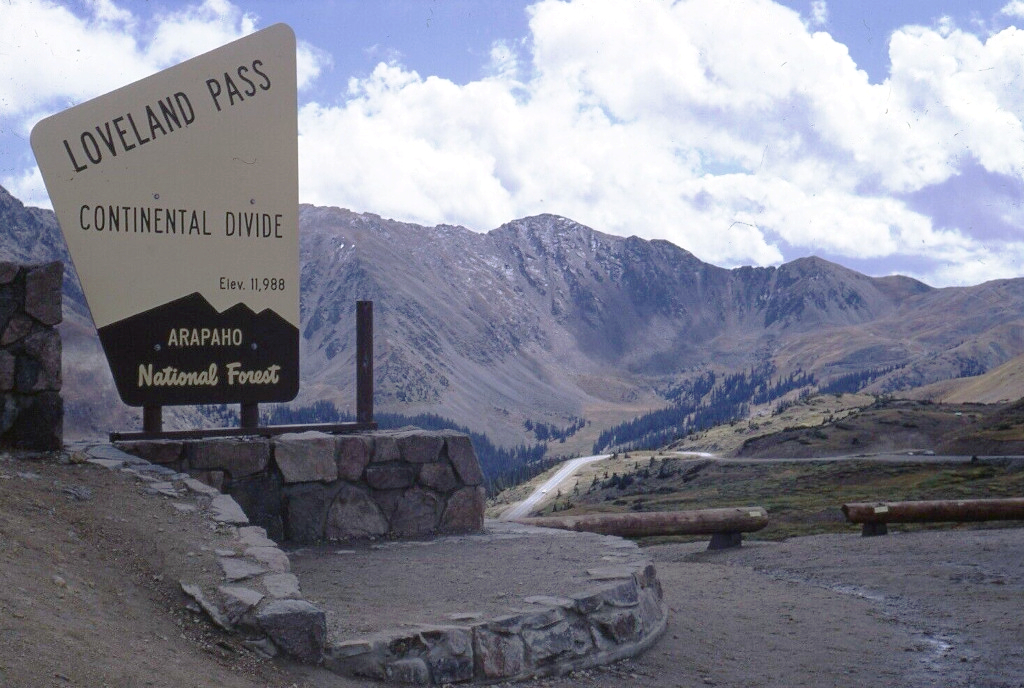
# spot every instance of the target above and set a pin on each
(178, 198)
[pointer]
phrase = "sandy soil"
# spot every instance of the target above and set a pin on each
(89, 597)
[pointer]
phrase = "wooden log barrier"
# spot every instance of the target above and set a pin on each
(725, 526)
(875, 515)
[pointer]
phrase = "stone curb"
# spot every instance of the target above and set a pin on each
(620, 615)
(258, 597)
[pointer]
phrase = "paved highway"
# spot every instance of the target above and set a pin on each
(524, 507)
(897, 457)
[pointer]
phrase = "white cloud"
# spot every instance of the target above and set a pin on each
(730, 127)
(1015, 8)
(819, 13)
(310, 63)
(687, 121)
(28, 188)
(54, 58)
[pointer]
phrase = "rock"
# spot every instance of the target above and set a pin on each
(7, 361)
(213, 479)
(8, 271)
(43, 293)
(164, 488)
(544, 644)
(264, 647)
(200, 487)
(110, 452)
(652, 609)
(152, 470)
(611, 572)
(236, 569)
(411, 670)
(163, 452)
(385, 449)
(354, 515)
(416, 514)
(79, 493)
(44, 348)
(449, 654)
(36, 421)
(17, 328)
(306, 457)
(260, 497)
(498, 655)
(110, 464)
(238, 601)
(620, 626)
(391, 476)
(419, 446)
(305, 507)
(271, 557)
(624, 594)
(357, 658)
(465, 511)
(438, 477)
(463, 458)
(254, 536)
(281, 585)
(297, 627)
(237, 457)
(226, 510)
(353, 456)
(212, 611)
(514, 623)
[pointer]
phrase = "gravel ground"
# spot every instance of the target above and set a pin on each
(88, 597)
(448, 580)
(939, 608)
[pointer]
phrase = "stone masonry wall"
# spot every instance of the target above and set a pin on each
(312, 486)
(31, 408)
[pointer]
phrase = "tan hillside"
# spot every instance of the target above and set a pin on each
(1003, 383)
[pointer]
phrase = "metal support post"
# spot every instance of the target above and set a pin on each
(364, 361)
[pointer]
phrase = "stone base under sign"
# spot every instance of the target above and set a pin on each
(31, 408)
(311, 487)
(608, 605)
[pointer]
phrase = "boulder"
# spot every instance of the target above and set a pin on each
(463, 458)
(43, 293)
(465, 511)
(353, 455)
(297, 627)
(354, 515)
(306, 457)
(236, 457)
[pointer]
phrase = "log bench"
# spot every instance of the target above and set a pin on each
(875, 516)
(725, 525)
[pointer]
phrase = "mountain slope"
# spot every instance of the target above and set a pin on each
(544, 319)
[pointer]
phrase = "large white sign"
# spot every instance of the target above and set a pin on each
(178, 198)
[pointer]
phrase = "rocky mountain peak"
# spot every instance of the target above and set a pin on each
(544, 318)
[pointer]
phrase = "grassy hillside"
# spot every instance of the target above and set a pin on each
(804, 497)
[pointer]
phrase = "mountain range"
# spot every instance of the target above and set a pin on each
(546, 321)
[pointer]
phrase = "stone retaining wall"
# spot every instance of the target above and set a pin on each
(310, 487)
(32, 412)
(254, 594)
(620, 615)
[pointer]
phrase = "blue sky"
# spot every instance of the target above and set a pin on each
(886, 136)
